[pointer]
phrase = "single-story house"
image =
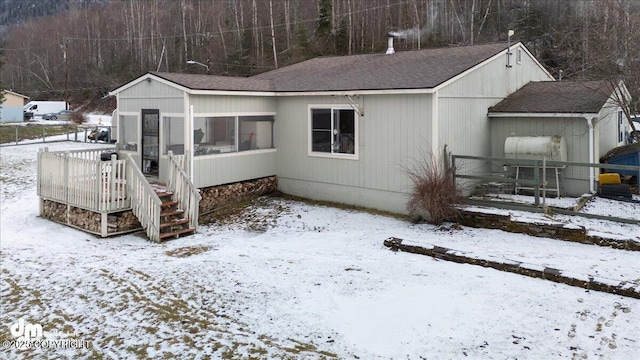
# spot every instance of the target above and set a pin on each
(339, 129)
(342, 129)
(584, 113)
(11, 109)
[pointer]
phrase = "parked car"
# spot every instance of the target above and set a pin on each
(58, 115)
(99, 134)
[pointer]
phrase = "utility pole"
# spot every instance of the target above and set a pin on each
(66, 70)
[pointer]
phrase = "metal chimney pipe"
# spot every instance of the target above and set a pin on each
(509, 35)
(390, 49)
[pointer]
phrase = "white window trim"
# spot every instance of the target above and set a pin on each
(236, 121)
(162, 130)
(519, 56)
(356, 119)
(235, 154)
(138, 127)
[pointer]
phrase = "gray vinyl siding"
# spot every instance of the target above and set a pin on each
(394, 130)
(462, 105)
(575, 131)
(608, 128)
(151, 95)
(228, 104)
(223, 169)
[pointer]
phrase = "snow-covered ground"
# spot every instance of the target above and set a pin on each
(91, 119)
(83, 130)
(289, 279)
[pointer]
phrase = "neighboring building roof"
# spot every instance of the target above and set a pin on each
(214, 82)
(417, 69)
(572, 97)
(620, 151)
(14, 93)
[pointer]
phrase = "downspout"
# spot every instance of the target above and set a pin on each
(434, 123)
(192, 143)
(592, 172)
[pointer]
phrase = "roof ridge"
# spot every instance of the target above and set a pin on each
(404, 70)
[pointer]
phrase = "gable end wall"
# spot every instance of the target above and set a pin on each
(151, 95)
(463, 104)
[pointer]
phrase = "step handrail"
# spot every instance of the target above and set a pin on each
(145, 203)
(183, 189)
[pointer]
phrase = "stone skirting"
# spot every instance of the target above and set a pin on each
(216, 197)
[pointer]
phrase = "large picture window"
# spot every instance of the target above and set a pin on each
(218, 135)
(255, 132)
(333, 130)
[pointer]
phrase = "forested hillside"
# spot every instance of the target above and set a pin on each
(81, 49)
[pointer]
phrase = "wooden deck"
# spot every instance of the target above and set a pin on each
(81, 179)
(85, 179)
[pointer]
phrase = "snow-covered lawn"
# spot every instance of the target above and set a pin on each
(288, 279)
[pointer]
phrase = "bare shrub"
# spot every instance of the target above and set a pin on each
(434, 196)
(78, 117)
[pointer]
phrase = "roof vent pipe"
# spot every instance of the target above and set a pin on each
(390, 49)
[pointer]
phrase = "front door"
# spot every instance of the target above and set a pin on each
(150, 143)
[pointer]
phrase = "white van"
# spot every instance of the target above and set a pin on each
(39, 108)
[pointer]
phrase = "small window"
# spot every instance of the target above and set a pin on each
(333, 131)
(620, 127)
(519, 56)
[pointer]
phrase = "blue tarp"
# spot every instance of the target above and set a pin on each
(624, 155)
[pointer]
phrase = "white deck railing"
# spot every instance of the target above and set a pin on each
(81, 179)
(145, 203)
(183, 189)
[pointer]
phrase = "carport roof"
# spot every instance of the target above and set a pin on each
(570, 97)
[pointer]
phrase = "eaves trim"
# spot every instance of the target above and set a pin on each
(540, 115)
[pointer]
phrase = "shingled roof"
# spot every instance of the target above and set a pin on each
(418, 69)
(572, 97)
(214, 82)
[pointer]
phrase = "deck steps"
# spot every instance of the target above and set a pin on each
(170, 203)
(173, 223)
(171, 212)
(177, 233)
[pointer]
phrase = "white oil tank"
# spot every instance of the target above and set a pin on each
(553, 148)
